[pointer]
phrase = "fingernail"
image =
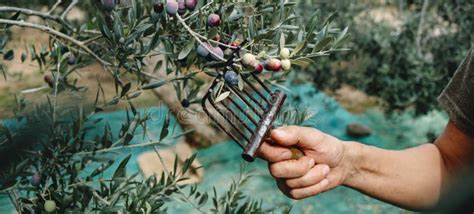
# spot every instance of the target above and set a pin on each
(311, 162)
(325, 170)
(279, 133)
(324, 182)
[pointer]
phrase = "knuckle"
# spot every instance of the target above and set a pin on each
(291, 183)
(300, 173)
(305, 181)
(275, 171)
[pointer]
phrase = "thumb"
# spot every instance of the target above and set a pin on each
(303, 137)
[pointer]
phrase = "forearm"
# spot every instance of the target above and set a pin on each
(411, 178)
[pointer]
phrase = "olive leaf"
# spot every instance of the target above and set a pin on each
(222, 96)
(186, 50)
(154, 85)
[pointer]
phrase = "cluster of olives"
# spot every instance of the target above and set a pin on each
(180, 7)
(215, 54)
(173, 6)
(271, 64)
(49, 205)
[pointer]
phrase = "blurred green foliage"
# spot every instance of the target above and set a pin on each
(400, 52)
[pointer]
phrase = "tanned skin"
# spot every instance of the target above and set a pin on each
(413, 178)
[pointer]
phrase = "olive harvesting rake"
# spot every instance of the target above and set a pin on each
(244, 111)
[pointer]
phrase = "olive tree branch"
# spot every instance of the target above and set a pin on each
(215, 42)
(28, 12)
(197, 38)
(198, 11)
(178, 189)
(153, 143)
(62, 36)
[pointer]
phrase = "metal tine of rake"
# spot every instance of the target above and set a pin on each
(252, 107)
(207, 97)
(223, 115)
(258, 91)
(220, 125)
(266, 118)
(233, 114)
(242, 110)
(261, 83)
(229, 63)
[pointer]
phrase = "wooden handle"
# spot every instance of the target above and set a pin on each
(296, 152)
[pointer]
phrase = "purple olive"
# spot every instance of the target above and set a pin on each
(202, 51)
(108, 5)
(158, 7)
(258, 68)
(273, 64)
(191, 4)
(71, 60)
(49, 79)
(171, 7)
(231, 78)
(36, 179)
(185, 103)
(181, 7)
(217, 53)
(214, 20)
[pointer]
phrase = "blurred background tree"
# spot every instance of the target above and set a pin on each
(403, 52)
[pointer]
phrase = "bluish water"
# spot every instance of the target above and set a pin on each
(222, 162)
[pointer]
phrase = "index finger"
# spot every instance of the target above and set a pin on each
(302, 137)
(274, 153)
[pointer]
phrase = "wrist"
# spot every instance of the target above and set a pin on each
(351, 162)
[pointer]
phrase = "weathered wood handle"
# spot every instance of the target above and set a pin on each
(296, 152)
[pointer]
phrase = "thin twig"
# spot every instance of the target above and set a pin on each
(86, 42)
(215, 42)
(197, 38)
(153, 143)
(53, 8)
(12, 197)
(420, 26)
(100, 198)
(56, 84)
(69, 8)
(198, 11)
(121, 147)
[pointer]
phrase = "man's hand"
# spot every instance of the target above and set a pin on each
(322, 167)
(400, 177)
